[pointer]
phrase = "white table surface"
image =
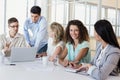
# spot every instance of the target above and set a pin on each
(37, 71)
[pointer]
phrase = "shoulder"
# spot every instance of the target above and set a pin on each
(42, 19)
(113, 53)
(2, 36)
(61, 43)
(113, 49)
(84, 44)
(68, 44)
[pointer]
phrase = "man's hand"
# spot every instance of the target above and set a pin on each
(6, 46)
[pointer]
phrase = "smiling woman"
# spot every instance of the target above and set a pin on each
(77, 49)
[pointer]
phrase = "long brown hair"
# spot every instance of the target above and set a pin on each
(83, 33)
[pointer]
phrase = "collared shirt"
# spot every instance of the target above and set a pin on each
(10, 39)
(36, 33)
(17, 41)
(52, 48)
(102, 53)
(72, 54)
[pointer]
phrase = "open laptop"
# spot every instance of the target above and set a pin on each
(20, 54)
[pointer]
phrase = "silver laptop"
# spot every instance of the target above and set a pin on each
(22, 54)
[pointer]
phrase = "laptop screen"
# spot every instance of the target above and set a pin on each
(19, 54)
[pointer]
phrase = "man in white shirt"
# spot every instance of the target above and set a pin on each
(13, 38)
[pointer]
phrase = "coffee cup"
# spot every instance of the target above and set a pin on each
(44, 60)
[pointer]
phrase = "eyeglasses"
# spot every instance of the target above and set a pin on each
(14, 26)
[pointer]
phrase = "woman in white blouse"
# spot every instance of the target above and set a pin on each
(55, 41)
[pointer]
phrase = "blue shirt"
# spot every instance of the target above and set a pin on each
(36, 33)
(72, 54)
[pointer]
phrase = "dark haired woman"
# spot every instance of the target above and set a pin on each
(106, 61)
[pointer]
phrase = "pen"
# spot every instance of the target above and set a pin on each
(11, 64)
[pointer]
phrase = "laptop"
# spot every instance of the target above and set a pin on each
(22, 54)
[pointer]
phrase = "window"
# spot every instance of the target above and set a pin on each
(16, 8)
(59, 11)
(80, 12)
(1, 16)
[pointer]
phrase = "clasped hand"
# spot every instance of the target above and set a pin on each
(80, 67)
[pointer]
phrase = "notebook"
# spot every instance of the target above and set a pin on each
(22, 54)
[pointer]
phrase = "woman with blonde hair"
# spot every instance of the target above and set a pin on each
(55, 41)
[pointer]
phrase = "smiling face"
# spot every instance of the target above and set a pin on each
(34, 17)
(13, 28)
(74, 32)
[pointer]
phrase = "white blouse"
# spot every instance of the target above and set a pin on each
(52, 48)
(101, 55)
